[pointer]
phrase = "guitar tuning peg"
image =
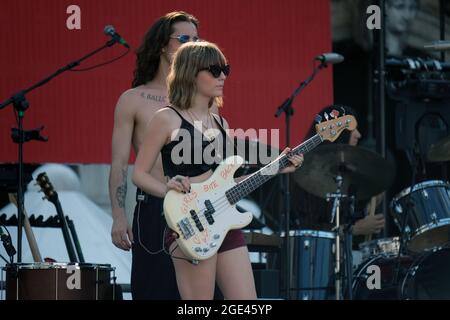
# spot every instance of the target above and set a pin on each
(326, 116)
(318, 118)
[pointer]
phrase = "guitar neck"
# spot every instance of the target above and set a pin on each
(65, 231)
(254, 181)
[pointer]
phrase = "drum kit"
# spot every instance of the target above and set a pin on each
(413, 265)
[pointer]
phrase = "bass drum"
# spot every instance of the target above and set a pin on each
(391, 273)
(429, 277)
(424, 277)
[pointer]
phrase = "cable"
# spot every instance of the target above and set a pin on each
(170, 254)
(163, 248)
(139, 234)
(101, 64)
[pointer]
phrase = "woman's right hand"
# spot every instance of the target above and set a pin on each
(180, 184)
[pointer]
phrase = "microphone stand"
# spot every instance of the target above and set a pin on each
(286, 107)
(20, 104)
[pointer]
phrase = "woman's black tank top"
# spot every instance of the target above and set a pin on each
(204, 154)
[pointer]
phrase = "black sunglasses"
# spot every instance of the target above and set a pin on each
(216, 70)
(183, 38)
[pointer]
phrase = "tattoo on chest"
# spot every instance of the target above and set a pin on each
(153, 98)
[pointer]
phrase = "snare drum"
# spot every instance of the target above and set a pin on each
(59, 281)
(377, 247)
(428, 218)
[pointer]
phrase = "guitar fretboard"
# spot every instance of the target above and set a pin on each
(251, 183)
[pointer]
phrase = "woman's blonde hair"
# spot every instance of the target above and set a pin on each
(188, 60)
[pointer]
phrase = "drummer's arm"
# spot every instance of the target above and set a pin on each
(369, 225)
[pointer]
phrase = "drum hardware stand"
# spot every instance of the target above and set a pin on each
(403, 237)
(335, 217)
(348, 242)
(286, 107)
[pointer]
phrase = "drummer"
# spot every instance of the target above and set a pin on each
(310, 212)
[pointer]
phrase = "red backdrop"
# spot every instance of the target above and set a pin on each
(270, 45)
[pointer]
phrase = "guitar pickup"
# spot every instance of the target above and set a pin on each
(198, 224)
(209, 212)
(209, 207)
(186, 228)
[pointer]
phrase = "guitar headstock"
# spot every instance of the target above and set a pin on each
(46, 186)
(334, 125)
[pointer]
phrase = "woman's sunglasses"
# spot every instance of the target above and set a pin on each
(216, 70)
(184, 38)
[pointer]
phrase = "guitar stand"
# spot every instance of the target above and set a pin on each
(50, 222)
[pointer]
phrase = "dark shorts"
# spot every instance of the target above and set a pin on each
(234, 239)
(152, 275)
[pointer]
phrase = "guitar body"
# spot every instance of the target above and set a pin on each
(203, 217)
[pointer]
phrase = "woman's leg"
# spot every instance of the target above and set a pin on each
(235, 275)
(195, 282)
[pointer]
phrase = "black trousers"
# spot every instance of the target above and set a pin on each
(152, 274)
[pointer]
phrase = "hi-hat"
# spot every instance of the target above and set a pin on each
(364, 172)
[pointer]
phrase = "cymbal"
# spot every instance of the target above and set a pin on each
(440, 151)
(364, 171)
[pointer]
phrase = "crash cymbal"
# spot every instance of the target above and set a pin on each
(440, 151)
(364, 171)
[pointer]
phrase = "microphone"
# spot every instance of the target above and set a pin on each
(330, 58)
(7, 244)
(110, 31)
(438, 46)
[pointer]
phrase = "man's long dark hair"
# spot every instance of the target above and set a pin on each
(344, 138)
(156, 38)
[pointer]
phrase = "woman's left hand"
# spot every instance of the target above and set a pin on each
(296, 161)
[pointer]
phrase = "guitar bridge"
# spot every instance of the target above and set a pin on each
(186, 228)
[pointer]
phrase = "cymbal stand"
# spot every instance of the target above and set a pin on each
(335, 216)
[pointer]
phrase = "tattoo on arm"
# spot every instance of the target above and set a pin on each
(121, 191)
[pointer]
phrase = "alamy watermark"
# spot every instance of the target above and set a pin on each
(374, 19)
(373, 281)
(74, 280)
(210, 147)
(73, 21)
